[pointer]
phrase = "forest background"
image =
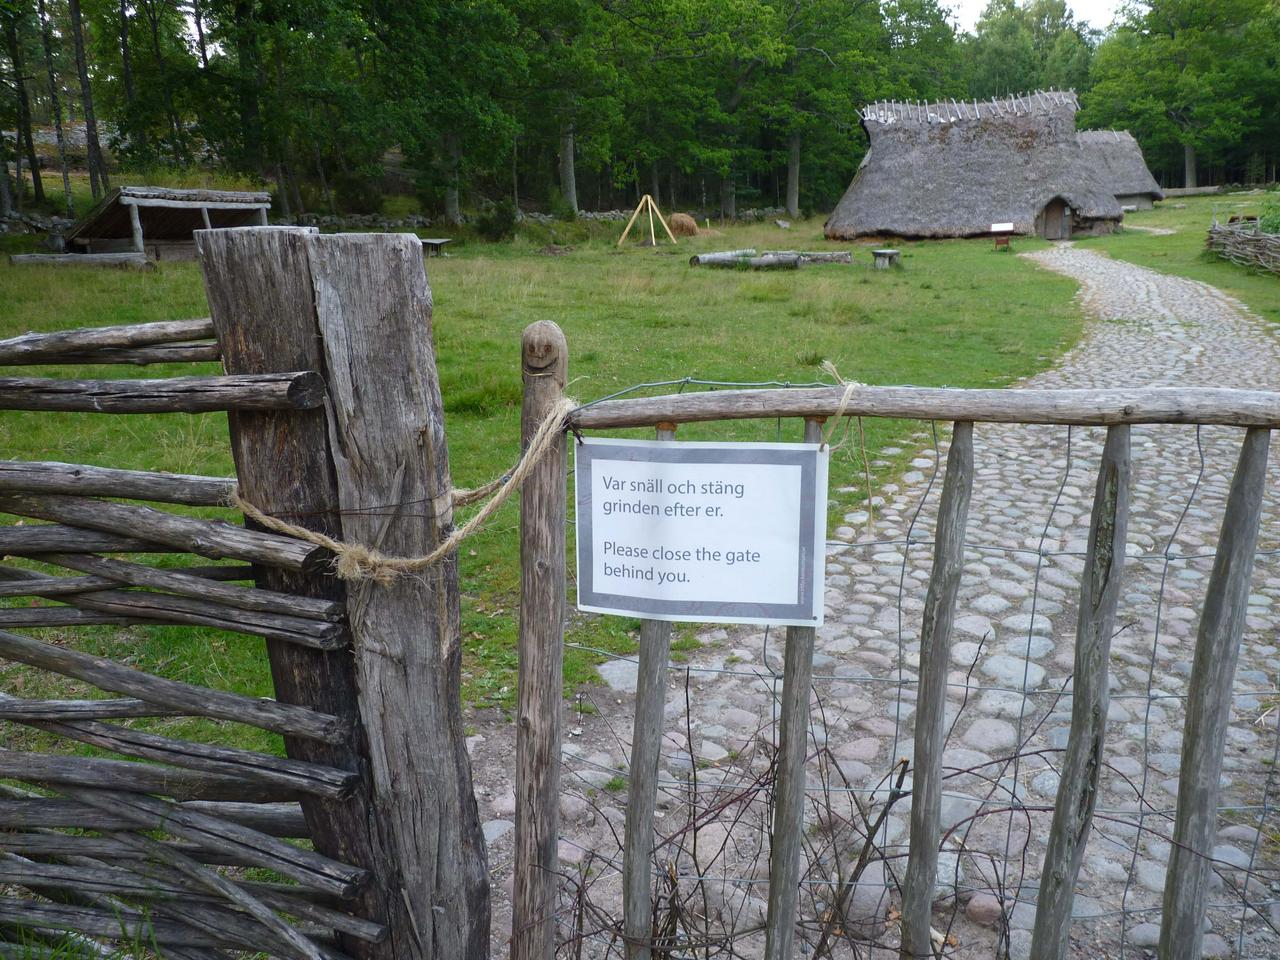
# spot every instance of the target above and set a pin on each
(445, 107)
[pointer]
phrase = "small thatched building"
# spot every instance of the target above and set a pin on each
(159, 221)
(954, 169)
(1119, 158)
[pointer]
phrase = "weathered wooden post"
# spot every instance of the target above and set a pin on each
(793, 740)
(1082, 765)
(1209, 705)
(931, 730)
(359, 307)
(545, 361)
(642, 793)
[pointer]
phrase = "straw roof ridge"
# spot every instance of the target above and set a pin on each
(1119, 159)
(913, 112)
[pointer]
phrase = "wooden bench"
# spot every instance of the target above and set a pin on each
(435, 246)
(887, 258)
(1002, 232)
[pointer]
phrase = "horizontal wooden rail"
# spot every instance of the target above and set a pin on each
(197, 351)
(287, 774)
(208, 538)
(273, 819)
(47, 768)
(45, 347)
(268, 391)
(283, 718)
(1239, 408)
(48, 476)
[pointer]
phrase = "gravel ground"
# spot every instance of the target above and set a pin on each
(1010, 687)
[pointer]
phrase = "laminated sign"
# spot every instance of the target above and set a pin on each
(708, 532)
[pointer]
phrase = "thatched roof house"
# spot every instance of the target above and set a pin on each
(1117, 155)
(159, 221)
(955, 169)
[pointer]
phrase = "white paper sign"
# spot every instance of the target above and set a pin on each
(705, 532)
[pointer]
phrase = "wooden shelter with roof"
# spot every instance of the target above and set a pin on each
(159, 221)
(953, 169)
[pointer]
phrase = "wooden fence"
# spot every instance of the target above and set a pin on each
(1245, 244)
(326, 423)
(1208, 705)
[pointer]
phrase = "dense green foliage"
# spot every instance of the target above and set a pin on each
(567, 104)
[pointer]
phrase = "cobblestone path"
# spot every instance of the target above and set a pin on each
(1010, 688)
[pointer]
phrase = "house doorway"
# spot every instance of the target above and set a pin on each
(1055, 220)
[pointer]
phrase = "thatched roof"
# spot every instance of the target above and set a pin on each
(952, 169)
(1119, 157)
(167, 213)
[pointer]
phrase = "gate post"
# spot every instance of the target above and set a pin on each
(358, 308)
(545, 363)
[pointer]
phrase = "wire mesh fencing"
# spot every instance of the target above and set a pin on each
(1008, 716)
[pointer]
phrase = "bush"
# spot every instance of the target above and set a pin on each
(559, 207)
(1269, 220)
(498, 223)
(357, 193)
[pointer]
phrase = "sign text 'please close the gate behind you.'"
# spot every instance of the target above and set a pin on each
(705, 532)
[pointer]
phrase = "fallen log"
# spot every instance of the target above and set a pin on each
(819, 256)
(724, 256)
(766, 262)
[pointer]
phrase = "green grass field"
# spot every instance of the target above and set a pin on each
(957, 313)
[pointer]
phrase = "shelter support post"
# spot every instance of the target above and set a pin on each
(135, 224)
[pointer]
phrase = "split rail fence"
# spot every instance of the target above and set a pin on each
(1207, 709)
(331, 430)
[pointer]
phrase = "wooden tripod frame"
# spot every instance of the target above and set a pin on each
(647, 202)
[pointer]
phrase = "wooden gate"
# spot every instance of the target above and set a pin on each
(332, 431)
(1208, 704)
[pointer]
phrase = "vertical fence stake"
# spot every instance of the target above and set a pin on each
(931, 709)
(1209, 705)
(788, 814)
(545, 362)
(646, 742)
(1082, 764)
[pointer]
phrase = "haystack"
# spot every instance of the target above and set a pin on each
(1117, 156)
(683, 225)
(954, 169)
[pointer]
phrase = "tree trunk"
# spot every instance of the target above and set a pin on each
(178, 140)
(197, 15)
(793, 176)
(55, 104)
(728, 199)
(568, 175)
(6, 198)
(24, 112)
(453, 161)
(655, 188)
(1189, 164)
(282, 193)
(324, 183)
(247, 84)
(97, 166)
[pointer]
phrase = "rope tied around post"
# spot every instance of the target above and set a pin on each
(850, 388)
(356, 561)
